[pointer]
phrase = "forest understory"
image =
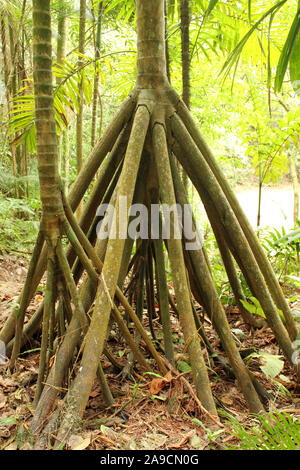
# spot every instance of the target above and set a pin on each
(149, 413)
(179, 328)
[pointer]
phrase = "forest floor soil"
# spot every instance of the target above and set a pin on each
(149, 413)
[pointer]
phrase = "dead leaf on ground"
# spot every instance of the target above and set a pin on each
(39, 298)
(77, 442)
(157, 385)
(95, 393)
(3, 400)
(197, 443)
(226, 400)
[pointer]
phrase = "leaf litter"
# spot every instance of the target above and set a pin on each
(150, 412)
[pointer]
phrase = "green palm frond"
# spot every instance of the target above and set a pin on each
(235, 54)
(274, 431)
(286, 52)
(66, 97)
(125, 9)
(269, 32)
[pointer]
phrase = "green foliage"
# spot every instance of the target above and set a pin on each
(265, 26)
(256, 309)
(284, 248)
(183, 366)
(125, 9)
(289, 54)
(273, 363)
(264, 137)
(211, 435)
(8, 421)
(18, 223)
(295, 65)
(274, 431)
(66, 98)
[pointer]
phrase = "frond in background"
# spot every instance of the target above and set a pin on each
(66, 96)
(274, 431)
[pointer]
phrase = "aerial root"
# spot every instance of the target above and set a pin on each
(77, 317)
(218, 209)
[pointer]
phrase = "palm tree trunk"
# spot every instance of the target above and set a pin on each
(45, 122)
(167, 42)
(185, 51)
(96, 77)
(60, 55)
(185, 63)
(79, 121)
(295, 182)
(7, 90)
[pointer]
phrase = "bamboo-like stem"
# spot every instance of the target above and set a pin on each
(62, 22)
(163, 299)
(193, 345)
(45, 121)
(79, 117)
(94, 340)
(260, 256)
(48, 307)
(96, 74)
(107, 395)
(94, 278)
(65, 268)
(234, 280)
(46, 136)
(20, 313)
(214, 309)
(151, 60)
(120, 296)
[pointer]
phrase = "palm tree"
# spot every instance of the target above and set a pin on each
(152, 128)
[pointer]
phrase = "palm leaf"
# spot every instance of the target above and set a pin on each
(287, 51)
(235, 54)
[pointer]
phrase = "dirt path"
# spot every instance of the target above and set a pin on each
(12, 275)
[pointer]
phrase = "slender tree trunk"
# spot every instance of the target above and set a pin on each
(260, 185)
(167, 42)
(295, 182)
(185, 62)
(185, 51)
(13, 84)
(96, 76)
(7, 90)
(62, 26)
(45, 122)
(79, 121)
